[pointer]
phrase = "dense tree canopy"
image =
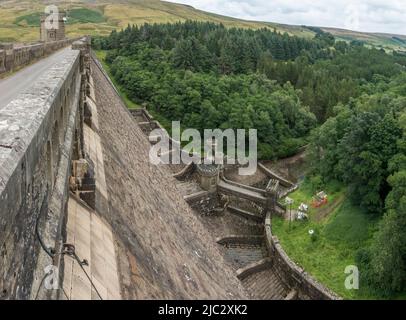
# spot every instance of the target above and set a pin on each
(206, 101)
(364, 145)
(326, 72)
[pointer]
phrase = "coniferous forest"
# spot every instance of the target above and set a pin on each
(346, 101)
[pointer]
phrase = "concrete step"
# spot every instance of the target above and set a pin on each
(265, 285)
(251, 216)
(234, 190)
(242, 255)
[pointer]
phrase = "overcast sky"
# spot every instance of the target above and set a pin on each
(360, 15)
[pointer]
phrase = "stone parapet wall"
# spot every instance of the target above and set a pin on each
(36, 149)
(240, 239)
(294, 276)
(52, 225)
(175, 256)
(2, 61)
(17, 57)
(254, 268)
(247, 187)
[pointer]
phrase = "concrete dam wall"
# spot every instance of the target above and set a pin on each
(163, 251)
(39, 132)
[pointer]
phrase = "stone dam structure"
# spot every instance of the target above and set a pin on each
(81, 204)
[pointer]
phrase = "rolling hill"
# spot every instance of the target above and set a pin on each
(19, 20)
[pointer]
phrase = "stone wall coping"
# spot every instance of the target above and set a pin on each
(246, 187)
(208, 170)
(238, 239)
(254, 268)
(23, 118)
(197, 196)
(245, 214)
(17, 47)
(21, 54)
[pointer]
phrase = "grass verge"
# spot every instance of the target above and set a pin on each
(340, 229)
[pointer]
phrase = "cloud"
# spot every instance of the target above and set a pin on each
(362, 15)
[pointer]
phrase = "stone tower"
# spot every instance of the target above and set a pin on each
(57, 31)
(208, 176)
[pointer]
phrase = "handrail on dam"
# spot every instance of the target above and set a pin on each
(40, 134)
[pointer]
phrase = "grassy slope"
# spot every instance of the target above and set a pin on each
(339, 234)
(376, 39)
(118, 14)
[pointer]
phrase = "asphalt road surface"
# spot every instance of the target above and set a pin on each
(13, 85)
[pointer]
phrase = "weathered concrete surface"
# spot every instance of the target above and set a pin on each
(32, 129)
(234, 190)
(164, 250)
(92, 237)
(94, 241)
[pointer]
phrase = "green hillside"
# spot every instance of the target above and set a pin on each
(19, 20)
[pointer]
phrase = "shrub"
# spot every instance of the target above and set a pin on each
(316, 183)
